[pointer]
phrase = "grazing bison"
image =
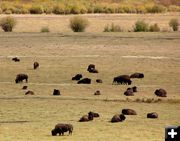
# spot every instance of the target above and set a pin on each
(29, 93)
(99, 81)
(84, 81)
(61, 128)
(129, 112)
(77, 77)
(97, 92)
(129, 92)
(24, 87)
(21, 77)
(161, 93)
(36, 65)
(152, 115)
(86, 118)
(137, 75)
(118, 118)
(56, 92)
(94, 114)
(122, 79)
(15, 59)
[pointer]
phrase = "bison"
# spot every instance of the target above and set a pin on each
(24, 87)
(61, 128)
(122, 79)
(137, 75)
(129, 112)
(91, 67)
(15, 59)
(36, 65)
(84, 81)
(56, 92)
(94, 114)
(152, 115)
(77, 77)
(118, 118)
(134, 89)
(161, 93)
(97, 92)
(129, 92)
(21, 77)
(99, 81)
(29, 93)
(86, 118)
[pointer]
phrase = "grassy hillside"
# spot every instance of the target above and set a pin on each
(87, 6)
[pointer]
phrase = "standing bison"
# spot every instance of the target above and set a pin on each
(91, 68)
(137, 75)
(61, 128)
(122, 79)
(36, 65)
(21, 77)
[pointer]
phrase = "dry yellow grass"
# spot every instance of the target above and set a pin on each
(61, 55)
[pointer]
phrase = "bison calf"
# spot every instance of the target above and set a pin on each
(61, 128)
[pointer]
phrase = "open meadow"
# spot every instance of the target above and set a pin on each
(62, 54)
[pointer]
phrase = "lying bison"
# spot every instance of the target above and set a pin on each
(129, 92)
(15, 59)
(161, 93)
(86, 118)
(84, 81)
(56, 92)
(24, 87)
(118, 118)
(21, 77)
(91, 67)
(61, 128)
(94, 114)
(137, 75)
(129, 112)
(36, 65)
(134, 89)
(152, 115)
(29, 93)
(97, 92)
(122, 79)
(77, 77)
(99, 81)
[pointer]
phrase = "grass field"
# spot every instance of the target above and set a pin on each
(61, 55)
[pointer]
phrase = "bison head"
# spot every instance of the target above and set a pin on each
(53, 132)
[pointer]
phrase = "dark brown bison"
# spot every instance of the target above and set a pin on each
(77, 77)
(91, 67)
(61, 128)
(122, 79)
(137, 75)
(129, 92)
(134, 89)
(94, 71)
(118, 118)
(15, 59)
(24, 87)
(86, 118)
(56, 92)
(21, 77)
(99, 81)
(84, 81)
(97, 92)
(161, 93)
(152, 115)
(94, 114)
(129, 112)
(29, 93)
(36, 65)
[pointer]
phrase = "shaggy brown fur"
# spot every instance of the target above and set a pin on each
(61, 128)
(161, 93)
(152, 115)
(21, 77)
(129, 112)
(118, 118)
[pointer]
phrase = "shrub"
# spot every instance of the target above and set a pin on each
(78, 24)
(156, 9)
(174, 8)
(75, 9)
(45, 29)
(59, 9)
(36, 9)
(112, 28)
(154, 28)
(173, 23)
(141, 26)
(7, 23)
